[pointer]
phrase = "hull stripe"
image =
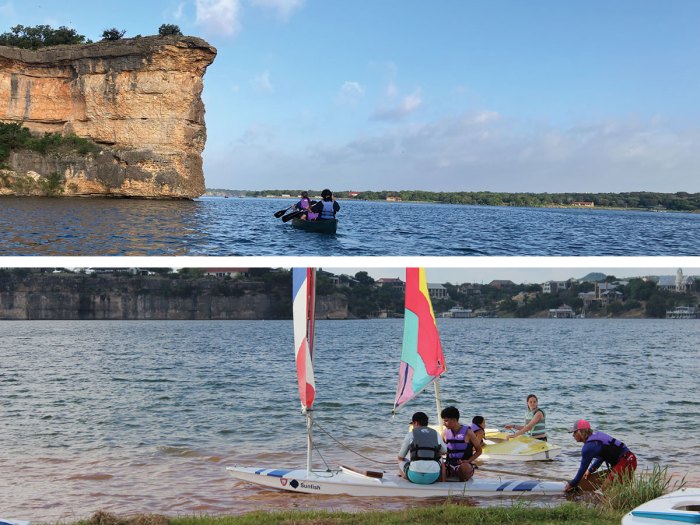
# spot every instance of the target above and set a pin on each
(526, 486)
(502, 487)
(279, 473)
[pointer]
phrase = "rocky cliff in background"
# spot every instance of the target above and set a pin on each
(123, 297)
(139, 99)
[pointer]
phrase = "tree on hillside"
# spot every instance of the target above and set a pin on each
(41, 36)
(169, 29)
(113, 34)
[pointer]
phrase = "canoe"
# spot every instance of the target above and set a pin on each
(328, 226)
(357, 482)
(680, 506)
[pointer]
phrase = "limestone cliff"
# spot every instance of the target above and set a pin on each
(139, 99)
(122, 297)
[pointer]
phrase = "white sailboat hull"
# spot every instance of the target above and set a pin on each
(4, 521)
(680, 506)
(348, 482)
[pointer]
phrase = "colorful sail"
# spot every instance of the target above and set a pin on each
(422, 361)
(304, 295)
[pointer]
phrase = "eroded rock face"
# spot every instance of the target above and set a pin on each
(139, 99)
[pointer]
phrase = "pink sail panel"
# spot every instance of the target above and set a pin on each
(422, 360)
(303, 297)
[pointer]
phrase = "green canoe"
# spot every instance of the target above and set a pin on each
(328, 226)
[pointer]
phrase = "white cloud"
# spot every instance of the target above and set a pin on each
(485, 151)
(179, 11)
(407, 106)
(219, 17)
(350, 93)
(262, 82)
(283, 8)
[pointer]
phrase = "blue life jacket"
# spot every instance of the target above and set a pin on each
(327, 212)
(612, 449)
(457, 448)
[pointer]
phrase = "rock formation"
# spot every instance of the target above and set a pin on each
(139, 99)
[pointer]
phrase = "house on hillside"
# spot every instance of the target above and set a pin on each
(391, 282)
(679, 283)
(502, 284)
(553, 287)
(563, 312)
(226, 272)
(437, 291)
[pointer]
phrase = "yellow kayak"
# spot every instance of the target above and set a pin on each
(521, 448)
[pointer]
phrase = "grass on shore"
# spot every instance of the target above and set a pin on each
(568, 513)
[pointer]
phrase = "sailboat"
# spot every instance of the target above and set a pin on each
(354, 481)
(423, 363)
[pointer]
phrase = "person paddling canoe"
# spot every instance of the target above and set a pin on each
(598, 448)
(328, 207)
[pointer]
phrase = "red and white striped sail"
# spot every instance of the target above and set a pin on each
(304, 295)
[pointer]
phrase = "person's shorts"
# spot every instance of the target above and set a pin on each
(420, 478)
(624, 467)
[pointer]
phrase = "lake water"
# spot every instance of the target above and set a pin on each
(144, 416)
(247, 227)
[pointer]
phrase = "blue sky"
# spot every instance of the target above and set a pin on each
(456, 95)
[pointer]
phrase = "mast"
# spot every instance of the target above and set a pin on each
(438, 401)
(304, 298)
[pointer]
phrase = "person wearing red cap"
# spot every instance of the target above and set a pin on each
(598, 448)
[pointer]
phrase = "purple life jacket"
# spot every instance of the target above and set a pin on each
(612, 449)
(457, 448)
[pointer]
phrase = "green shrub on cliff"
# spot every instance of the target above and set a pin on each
(41, 36)
(14, 137)
(113, 34)
(169, 29)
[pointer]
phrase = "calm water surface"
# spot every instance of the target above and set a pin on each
(144, 416)
(246, 227)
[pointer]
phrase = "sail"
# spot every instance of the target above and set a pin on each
(422, 361)
(303, 295)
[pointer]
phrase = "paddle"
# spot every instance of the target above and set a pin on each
(292, 215)
(279, 214)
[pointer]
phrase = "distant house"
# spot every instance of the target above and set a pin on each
(501, 284)
(584, 204)
(460, 313)
(391, 198)
(226, 272)
(437, 291)
(604, 294)
(682, 312)
(524, 296)
(353, 194)
(394, 282)
(563, 312)
(469, 289)
(679, 283)
(553, 287)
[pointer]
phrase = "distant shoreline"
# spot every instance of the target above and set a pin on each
(635, 201)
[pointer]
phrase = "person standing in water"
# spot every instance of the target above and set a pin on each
(534, 421)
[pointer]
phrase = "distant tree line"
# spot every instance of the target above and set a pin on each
(679, 201)
(36, 37)
(366, 300)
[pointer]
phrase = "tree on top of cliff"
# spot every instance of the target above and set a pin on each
(113, 34)
(41, 36)
(169, 29)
